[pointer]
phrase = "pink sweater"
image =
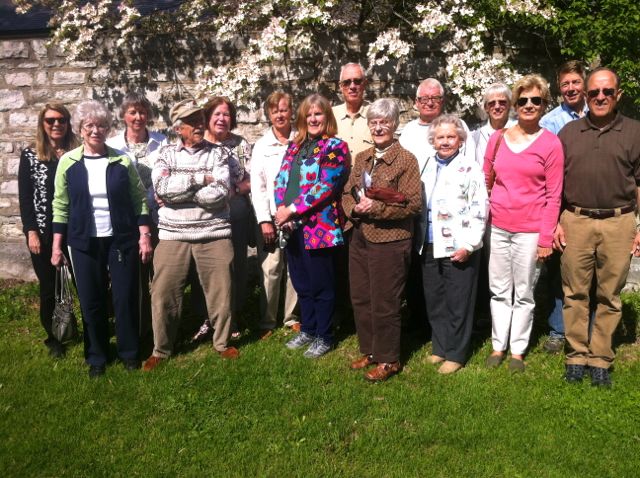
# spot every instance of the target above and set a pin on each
(528, 186)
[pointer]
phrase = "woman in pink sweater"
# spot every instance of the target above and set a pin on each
(525, 164)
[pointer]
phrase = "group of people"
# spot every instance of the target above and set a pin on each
(340, 191)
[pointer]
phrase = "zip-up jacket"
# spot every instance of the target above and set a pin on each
(72, 203)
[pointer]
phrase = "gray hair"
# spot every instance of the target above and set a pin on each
(134, 98)
(496, 89)
(447, 119)
(347, 65)
(90, 109)
(385, 108)
(430, 82)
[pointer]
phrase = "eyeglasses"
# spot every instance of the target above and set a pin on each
(355, 81)
(101, 128)
(535, 100)
(608, 92)
(423, 100)
(382, 124)
(493, 103)
(52, 121)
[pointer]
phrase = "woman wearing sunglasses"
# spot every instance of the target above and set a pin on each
(523, 167)
(36, 173)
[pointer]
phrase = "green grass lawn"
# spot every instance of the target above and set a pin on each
(274, 413)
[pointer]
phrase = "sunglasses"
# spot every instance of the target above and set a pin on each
(493, 103)
(535, 100)
(608, 92)
(52, 121)
(355, 81)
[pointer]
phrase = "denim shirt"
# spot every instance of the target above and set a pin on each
(555, 119)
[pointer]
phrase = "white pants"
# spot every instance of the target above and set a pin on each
(513, 273)
(274, 268)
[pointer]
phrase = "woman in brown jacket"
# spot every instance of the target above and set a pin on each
(381, 198)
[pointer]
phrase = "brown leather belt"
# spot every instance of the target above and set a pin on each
(602, 213)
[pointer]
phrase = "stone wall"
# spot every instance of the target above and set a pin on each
(32, 74)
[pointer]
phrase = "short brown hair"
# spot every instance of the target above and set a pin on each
(301, 120)
(571, 66)
(273, 100)
(528, 82)
(216, 101)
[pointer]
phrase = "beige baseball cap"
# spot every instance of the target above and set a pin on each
(183, 109)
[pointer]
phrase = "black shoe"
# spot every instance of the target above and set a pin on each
(96, 371)
(600, 377)
(132, 365)
(574, 373)
(56, 349)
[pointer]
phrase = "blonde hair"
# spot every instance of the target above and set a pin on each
(321, 102)
(529, 82)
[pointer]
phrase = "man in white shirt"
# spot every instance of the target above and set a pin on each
(430, 102)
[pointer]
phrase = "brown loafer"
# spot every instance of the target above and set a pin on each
(296, 327)
(449, 367)
(151, 363)
(436, 359)
(230, 353)
(382, 371)
(362, 362)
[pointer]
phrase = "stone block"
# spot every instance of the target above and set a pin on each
(7, 147)
(9, 187)
(83, 64)
(23, 119)
(39, 47)
(15, 262)
(41, 78)
(12, 166)
(19, 79)
(40, 96)
(5, 203)
(28, 65)
(14, 49)
(68, 78)
(11, 100)
(72, 94)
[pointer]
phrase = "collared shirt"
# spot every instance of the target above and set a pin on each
(481, 138)
(266, 160)
(414, 136)
(354, 131)
(602, 166)
(555, 119)
(144, 164)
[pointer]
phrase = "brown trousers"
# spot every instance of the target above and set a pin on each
(378, 273)
(600, 246)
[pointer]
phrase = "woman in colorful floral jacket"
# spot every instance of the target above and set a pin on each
(307, 195)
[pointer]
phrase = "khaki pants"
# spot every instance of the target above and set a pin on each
(600, 246)
(274, 269)
(213, 260)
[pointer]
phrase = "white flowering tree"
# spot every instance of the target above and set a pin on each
(476, 40)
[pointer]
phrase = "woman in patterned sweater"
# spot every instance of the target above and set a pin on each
(307, 195)
(35, 181)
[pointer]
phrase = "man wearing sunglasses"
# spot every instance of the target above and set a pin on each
(597, 231)
(352, 114)
(571, 76)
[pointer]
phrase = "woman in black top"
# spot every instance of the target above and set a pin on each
(35, 181)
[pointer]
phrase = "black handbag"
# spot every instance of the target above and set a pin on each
(64, 325)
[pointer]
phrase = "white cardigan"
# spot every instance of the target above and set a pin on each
(459, 206)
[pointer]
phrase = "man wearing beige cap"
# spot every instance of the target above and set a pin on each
(193, 225)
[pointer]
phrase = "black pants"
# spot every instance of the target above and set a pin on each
(92, 269)
(450, 295)
(46, 274)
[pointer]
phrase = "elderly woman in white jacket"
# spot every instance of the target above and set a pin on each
(449, 237)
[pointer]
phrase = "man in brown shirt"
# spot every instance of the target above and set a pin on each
(597, 230)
